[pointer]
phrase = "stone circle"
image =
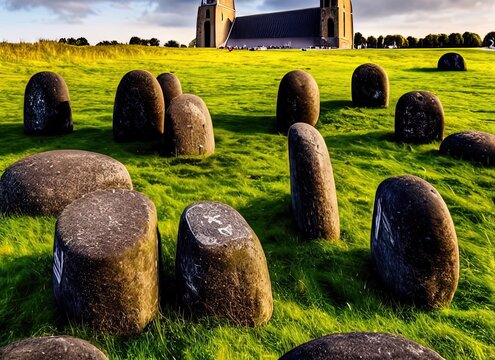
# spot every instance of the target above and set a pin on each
(413, 242)
(171, 87)
(370, 86)
(452, 62)
(470, 145)
(221, 268)
(105, 261)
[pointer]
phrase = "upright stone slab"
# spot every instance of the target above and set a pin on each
(363, 346)
(314, 198)
(298, 100)
(413, 242)
(221, 267)
(451, 62)
(171, 87)
(45, 183)
(419, 118)
(105, 261)
(470, 145)
(47, 108)
(139, 109)
(370, 86)
(51, 348)
(189, 129)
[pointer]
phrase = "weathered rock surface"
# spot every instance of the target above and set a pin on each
(105, 257)
(364, 346)
(171, 87)
(221, 267)
(370, 86)
(470, 145)
(51, 348)
(298, 100)
(189, 129)
(419, 118)
(139, 109)
(47, 108)
(452, 62)
(314, 198)
(413, 242)
(45, 183)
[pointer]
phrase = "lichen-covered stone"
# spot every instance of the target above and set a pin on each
(298, 100)
(221, 267)
(47, 108)
(413, 242)
(452, 62)
(171, 87)
(314, 198)
(470, 145)
(105, 257)
(370, 86)
(45, 183)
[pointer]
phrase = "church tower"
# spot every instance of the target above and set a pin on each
(215, 19)
(337, 23)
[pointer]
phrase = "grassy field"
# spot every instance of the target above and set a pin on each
(320, 287)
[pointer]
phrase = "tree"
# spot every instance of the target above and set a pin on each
(488, 37)
(471, 39)
(135, 41)
(171, 43)
(82, 42)
(443, 40)
(380, 41)
(430, 41)
(62, 40)
(359, 39)
(412, 41)
(154, 42)
(455, 40)
(371, 41)
(193, 43)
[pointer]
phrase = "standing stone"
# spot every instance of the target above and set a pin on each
(364, 346)
(471, 145)
(47, 108)
(314, 198)
(171, 87)
(452, 62)
(419, 118)
(139, 109)
(189, 129)
(413, 242)
(105, 257)
(221, 267)
(370, 86)
(298, 100)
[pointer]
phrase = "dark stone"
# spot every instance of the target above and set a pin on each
(413, 242)
(45, 183)
(298, 100)
(314, 198)
(471, 145)
(139, 110)
(105, 257)
(419, 118)
(51, 348)
(452, 62)
(171, 87)
(364, 346)
(370, 86)
(189, 129)
(221, 267)
(47, 108)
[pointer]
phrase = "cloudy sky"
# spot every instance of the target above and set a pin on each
(30, 20)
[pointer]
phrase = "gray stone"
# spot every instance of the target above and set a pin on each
(419, 118)
(51, 348)
(298, 100)
(452, 62)
(171, 87)
(47, 108)
(364, 346)
(139, 109)
(470, 145)
(221, 267)
(314, 198)
(45, 183)
(189, 129)
(370, 86)
(413, 242)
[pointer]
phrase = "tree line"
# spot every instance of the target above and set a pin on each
(133, 41)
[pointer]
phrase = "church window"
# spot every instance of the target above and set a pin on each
(344, 24)
(334, 3)
(331, 28)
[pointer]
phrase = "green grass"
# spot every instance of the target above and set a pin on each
(319, 287)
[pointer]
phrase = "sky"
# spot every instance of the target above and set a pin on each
(97, 20)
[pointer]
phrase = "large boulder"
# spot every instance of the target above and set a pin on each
(298, 100)
(47, 108)
(370, 86)
(221, 267)
(470, 145)
(45, 183)
(314, 198)
(105, 257)
(452, 62)
(171, 87)
(413, 242)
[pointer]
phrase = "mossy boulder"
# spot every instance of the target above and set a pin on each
(171, 87)
(370, 86)
(470, 145)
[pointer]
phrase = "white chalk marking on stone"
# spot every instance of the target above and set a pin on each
(213, 219)
(226, 231)
(58, 264)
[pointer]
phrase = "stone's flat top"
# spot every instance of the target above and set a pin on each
(474, 137)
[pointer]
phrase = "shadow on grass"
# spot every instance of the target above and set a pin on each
(248, 124)
(336, 105)
(422, 70)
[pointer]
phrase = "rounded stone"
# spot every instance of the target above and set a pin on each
(470, 145)
(51, 348)
(314, 198)
(45, 183)
(221, 268)
(452, 62)
(298, 100)
(139, 109)
(105, 261)
(47, 108)
(171, 87)
(370, 86)
(364, 346)
(419, 118)
(413, 242)
(189, 129)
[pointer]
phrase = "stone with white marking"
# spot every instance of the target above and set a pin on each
(470, 145)
(370, 86)
(171, 87)
(452, 62)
